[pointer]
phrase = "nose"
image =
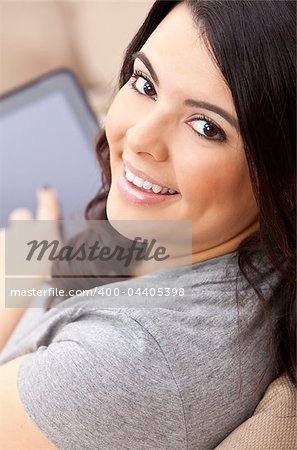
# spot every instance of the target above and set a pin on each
(150, 134)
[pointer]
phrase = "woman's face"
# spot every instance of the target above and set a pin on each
(193, 147)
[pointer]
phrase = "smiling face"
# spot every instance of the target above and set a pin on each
(192, 147)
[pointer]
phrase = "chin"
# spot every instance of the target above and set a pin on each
(117, 217)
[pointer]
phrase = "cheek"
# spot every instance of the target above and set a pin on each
(114, 126)
(217, 180)
(117, 119)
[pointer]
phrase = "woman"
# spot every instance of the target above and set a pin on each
(206, 108)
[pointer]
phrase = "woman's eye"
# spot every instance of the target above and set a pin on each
(142, 85)
(208, 130)
(205, 128)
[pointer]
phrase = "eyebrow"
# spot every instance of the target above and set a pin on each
(189, 102)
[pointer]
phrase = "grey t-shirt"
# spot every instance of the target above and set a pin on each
(137, 372)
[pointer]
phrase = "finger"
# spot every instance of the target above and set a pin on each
(47, 204)
(20, 214)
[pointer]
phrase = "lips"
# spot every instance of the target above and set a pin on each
(144, 176)
(135, 195)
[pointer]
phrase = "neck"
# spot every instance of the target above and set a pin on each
(198, 256)
(226, 247)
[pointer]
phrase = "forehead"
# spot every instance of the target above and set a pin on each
(180, 57)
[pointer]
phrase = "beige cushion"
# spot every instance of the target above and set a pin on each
(86, 36)
(273, 424)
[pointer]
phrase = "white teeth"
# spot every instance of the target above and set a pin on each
(129, 175)
(139, 182)
(147, 185)
(156, 188)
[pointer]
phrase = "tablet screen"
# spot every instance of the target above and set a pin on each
(47, 137)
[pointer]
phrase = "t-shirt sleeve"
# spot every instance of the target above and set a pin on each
(103, 382)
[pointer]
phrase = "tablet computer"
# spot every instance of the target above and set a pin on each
(48, 133)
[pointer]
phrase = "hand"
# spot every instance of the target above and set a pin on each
(47, 209)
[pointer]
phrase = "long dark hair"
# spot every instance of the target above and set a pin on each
(253, 44)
